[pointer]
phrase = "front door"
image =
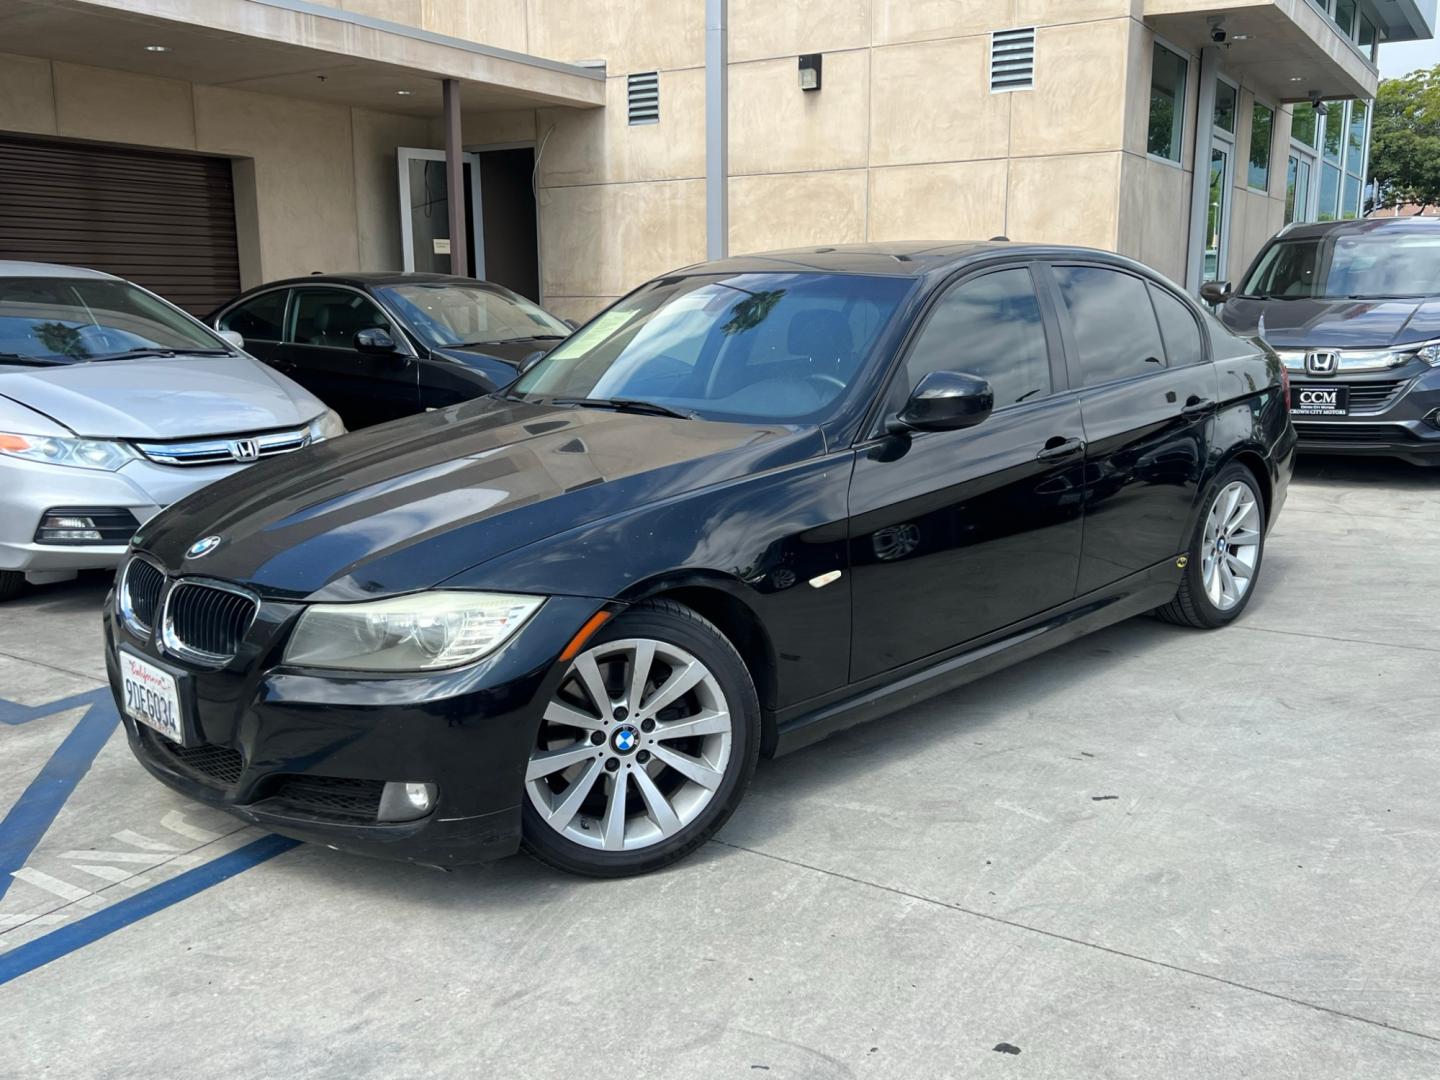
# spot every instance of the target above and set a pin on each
(955, 534)
(425, 213)
(319, 353)
(1146, 403)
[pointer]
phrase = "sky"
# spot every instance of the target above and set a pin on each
(1404, 57)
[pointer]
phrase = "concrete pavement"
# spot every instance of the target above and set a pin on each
(1153, 853)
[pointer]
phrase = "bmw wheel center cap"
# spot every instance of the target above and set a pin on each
(625, 739)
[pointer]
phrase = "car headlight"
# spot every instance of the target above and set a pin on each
(78, 453)
(1430, 353)
(419, 632)
(327, 425)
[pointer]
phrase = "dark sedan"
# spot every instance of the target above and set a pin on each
(379, 346)
(1353, 309)
(751, 504)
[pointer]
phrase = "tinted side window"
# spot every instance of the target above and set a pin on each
(1178, 327)
(259, 319)
(332, 317)
(990, 327)
(1112, 322)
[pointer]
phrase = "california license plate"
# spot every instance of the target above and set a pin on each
(1320, 400)
(151, 696)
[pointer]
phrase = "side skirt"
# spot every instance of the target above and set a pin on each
(888, 693)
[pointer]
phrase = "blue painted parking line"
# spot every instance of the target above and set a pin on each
(35, 810)
(61, 942)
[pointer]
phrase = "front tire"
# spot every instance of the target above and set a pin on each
(1225, 554)
(11, 584)
(645, 748)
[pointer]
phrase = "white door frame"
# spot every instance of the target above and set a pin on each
(406, 154)
(1225, 141)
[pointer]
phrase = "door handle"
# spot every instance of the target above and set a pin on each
(1057, 449)
(1198, 407)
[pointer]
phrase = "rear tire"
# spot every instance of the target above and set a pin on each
(12, 582)
(644, 750)
(1225, 555)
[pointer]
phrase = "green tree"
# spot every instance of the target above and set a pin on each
(1405, 141)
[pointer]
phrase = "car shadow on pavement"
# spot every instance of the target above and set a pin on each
(1338, 471)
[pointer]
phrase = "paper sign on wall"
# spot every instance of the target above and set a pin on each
(442, 245)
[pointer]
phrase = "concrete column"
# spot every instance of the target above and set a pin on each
(455, 181)
(1200, 177)
(717, 131)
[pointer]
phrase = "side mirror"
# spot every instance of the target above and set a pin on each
(571, 323)
(376, 341)
(233, 338)
(531, 360)
(945, 401)
(1216, 293)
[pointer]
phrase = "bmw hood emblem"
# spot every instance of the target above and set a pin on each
(202, 547)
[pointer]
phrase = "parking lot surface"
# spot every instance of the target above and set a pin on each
(1153, 853)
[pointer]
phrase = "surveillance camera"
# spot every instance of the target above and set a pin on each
(1218, 35)
(1319, 106)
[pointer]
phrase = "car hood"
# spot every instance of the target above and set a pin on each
(513, 353)
(162, 398)
(406, 505)
(1353, 324)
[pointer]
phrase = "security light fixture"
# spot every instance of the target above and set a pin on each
(157, 48)
(404, 93)
(810, 64)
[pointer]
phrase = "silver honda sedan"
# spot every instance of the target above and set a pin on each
(114, 404)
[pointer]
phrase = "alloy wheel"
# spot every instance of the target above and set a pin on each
(1230, 550)
(632, 747)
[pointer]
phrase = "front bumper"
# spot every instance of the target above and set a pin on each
(1396, 423)
(29, 488)
(259, 733)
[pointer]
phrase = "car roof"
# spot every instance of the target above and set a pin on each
(897, 259)
(372, 278)
(13, 268)
(1397, 226)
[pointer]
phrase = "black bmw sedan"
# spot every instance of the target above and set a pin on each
(754, 502)
(1353, 309)
(378, 346)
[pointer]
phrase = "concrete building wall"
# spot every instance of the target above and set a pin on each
(315, 184)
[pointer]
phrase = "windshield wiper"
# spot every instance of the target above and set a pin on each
(23, 358)
(507, 341)
(634, 405)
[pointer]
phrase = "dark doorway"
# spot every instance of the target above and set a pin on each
(507, 207)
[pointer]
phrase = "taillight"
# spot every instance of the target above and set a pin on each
(1285, 383)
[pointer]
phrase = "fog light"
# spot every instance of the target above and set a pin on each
(55, 527)
(1434, 419)
(402, 801)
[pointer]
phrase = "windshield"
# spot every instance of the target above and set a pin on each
(46, 320)
(746, 347)
(1370, 266)
(446, 315)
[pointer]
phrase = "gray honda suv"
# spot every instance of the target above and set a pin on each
(1353, 309)
(114, 404)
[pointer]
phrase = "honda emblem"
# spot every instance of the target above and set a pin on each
(245, 450)
(1321, 363)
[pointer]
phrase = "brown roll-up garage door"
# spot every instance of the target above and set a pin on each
(164, 221)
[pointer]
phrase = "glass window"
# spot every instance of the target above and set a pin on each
(51, 320)
(1329, 207)
(1367, 266)
(1354, 160)
(1345, 11)
(1225, 106)
(745, 347)
(990, 327)
(1335, 131)
(1262, 127)
(332, 317)
(1366, 36)
(260, 319)
(1167, 103)
(1217, 215)
(1178, 328)
(1297, 190)
(1305, 125)
(444, 315)
(1112, 321)
(1350, 203)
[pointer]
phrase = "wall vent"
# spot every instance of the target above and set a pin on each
(1012, 60)
(644, 97)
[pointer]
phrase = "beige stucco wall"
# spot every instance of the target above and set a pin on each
(315, 184)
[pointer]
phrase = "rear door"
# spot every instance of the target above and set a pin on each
(1146, 400)
(319, 353)
(955, 534)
